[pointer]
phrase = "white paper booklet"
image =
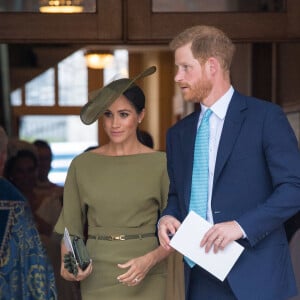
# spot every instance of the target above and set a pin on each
(187, 241)
(68, 242)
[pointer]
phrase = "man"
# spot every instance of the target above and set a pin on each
(44, 186)
(45, 158)
(49, 194)
(253, 173)
(25, 272)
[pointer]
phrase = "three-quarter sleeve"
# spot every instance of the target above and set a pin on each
(73, 212)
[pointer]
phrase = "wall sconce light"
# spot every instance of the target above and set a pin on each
(98, 59)
(61, 6)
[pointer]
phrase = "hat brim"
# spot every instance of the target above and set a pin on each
(101, 99)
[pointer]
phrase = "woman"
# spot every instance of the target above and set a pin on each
(120, 188)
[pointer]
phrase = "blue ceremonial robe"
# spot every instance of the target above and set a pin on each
(25, 272)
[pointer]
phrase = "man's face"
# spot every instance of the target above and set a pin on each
(191, 77)
(44, 157)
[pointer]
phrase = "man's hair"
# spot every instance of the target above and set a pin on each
(3, 140)
(206, 42)
(43, 144)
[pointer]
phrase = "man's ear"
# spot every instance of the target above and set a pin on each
(212, 65)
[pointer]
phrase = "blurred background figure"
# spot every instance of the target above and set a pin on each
(25, 271)
(21, 170)
(3, 149)
(45, 199)
(292, 225)
(49, 194)
(45, 157)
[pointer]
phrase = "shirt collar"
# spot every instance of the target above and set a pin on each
(221, 105)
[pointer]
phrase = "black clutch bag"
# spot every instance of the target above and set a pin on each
(81, 253)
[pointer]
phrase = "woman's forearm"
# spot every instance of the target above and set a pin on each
(158, 255)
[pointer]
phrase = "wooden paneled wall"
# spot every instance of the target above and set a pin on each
(266, 65)
(131, 22)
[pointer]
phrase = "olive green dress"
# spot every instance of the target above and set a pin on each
(123, 195)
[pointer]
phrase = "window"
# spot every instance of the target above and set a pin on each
(48, 108)
(218, 6)
(88, 6)
(72, 80)
(41, 91)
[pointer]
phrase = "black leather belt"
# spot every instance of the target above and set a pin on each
(121, 237)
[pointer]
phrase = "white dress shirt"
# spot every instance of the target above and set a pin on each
(216, 123)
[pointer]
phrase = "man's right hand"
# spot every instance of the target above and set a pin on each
(167, 227)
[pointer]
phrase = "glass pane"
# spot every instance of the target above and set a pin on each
(16, 97)
(119, 67)
(19, 5)
(87, 6)
(67, 135)
(40, 91)
(72, 78)
(218, 5)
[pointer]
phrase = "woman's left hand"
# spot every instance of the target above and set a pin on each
(138, 269)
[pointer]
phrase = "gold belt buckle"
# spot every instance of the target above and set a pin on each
(117, 238)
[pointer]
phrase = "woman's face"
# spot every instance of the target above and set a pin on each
(120, 121)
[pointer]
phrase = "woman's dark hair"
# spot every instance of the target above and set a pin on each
(145, 138)
(136, 97)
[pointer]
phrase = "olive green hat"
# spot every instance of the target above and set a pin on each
(101, 99)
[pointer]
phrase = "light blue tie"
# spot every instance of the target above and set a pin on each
(199, 189)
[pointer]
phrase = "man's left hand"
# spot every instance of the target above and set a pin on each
(220, 235)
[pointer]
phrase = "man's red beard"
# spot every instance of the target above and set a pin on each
(198, 92)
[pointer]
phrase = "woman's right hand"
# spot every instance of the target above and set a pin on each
(68, 275)
(79, 276)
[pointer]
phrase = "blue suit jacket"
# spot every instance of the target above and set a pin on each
(256, 183)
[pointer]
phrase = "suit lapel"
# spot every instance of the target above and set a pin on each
(233, 122)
